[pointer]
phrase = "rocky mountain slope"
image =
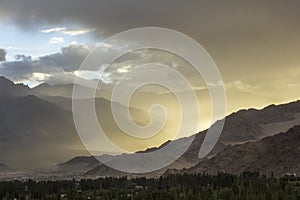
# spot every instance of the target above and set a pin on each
(240, 127)
(278, 154)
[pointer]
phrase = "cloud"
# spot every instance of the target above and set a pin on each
(242, 36)
(243, 87)
(63, 78)
(56, 40)
(53, 65)
(66, 31)
(69, 59)
(127, 62)
(51, 30)
(248, 40)
(65, 65)
(198, 17)
(23, 58)
(2, 55)
(75, 32)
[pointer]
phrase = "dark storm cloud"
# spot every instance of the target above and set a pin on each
(2, 55)
(68, 60)
(192, 16)
(243, 37)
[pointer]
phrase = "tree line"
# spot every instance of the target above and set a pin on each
(246, 186)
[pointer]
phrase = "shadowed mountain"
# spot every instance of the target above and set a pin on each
(9, 89)
(49, 90)
(46, 89)
(33, 132)
(278, 154)
(77, 165)
(37, 133)
(66, 91)
(240, 127)
(102, 105)
(104, 171)
(253, 125)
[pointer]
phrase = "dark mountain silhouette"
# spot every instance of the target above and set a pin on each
(278, 154)
(36, 133)
(252, 125)
(104, 171)
(66, 91)
(9, 89)
(46, 89)
(77, 165)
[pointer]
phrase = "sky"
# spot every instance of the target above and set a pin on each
(255, 43)
(41, 41)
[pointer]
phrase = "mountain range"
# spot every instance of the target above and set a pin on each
(277, 155)
(265, 140)
(34, 133)
(37, 131)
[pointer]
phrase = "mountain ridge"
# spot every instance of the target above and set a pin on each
(26, 116)
(236, 133)
(36, 133)
(278, 155)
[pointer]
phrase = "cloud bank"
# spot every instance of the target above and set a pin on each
(66, 31)
(54, 66)
(243, 37)
(251, 41)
